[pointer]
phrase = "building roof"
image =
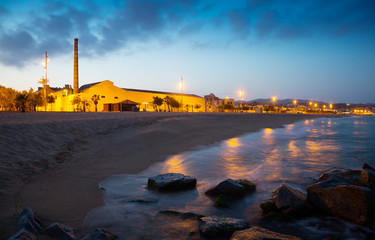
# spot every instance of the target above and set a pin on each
(127, 101)
(159, 92)
(86, 86)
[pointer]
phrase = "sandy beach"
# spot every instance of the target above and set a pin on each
(53, 162)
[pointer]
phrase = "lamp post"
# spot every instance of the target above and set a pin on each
(274, 102)
(241, 94)
(44, 82)
(295, 104)
(181, 87)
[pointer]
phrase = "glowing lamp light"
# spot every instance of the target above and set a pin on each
(324, 106)
(295, 102)
(274, 99)
(310, 103)
(330, 106)
(315, 105)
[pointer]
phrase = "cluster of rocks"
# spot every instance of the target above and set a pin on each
(31, 228)
(342, 193)
(215, 226)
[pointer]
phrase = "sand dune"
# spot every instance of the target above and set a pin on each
(53, 162)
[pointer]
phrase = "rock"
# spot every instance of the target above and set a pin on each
(291, 201)
(227, 187)
(337, 198)
(60, 231)
(341, 175)
(29, 220)
(269, 206)
(23, 234)
(258, 233)
(171, 182)
(100, 234)
(221, 226)
(182, 215)
(222, 201)
(367, 177)
(248, 185)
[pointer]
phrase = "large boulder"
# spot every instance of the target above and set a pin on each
(258, 233)
(367, 177)
(61, 232)
(333, 195)
(100, 234)
(341, 175)
(23, 234)
(227, 187)
(221, 226)
(30, 221)
(291, 201)
(171, 182)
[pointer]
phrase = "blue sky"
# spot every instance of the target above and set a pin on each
(312, 49)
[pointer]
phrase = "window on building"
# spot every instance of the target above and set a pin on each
(103, 96)
(116, 97)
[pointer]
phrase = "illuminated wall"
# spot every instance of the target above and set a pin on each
(111, 94)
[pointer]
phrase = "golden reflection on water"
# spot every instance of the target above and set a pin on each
(175, 164)
(231, 158)
(294, 151)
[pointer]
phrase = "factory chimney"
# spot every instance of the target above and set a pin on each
(75, 80)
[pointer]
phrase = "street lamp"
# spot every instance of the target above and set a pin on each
(241, 93)
(330, 106)
(181, 87)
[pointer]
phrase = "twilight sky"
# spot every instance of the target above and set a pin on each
(311, 49)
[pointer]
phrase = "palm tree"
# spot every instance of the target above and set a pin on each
(174, 103)
(51, 100)
(95, 99)
(21, 100)
(167, 101)
(197, 106)
(85, 104)
(158, 102)
(76, 101)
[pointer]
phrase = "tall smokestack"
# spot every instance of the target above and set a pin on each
(75, 80)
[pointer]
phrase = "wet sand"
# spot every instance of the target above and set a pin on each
(53, 162)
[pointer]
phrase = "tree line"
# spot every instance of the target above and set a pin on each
(171, 104)
(13, 100)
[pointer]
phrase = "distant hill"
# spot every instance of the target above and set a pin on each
(288, 101)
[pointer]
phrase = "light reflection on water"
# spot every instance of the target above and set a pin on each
(294, 155)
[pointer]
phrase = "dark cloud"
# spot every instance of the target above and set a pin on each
(106, 26)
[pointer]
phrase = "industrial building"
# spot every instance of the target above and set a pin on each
(112, 98)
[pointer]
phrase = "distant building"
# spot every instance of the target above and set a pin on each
(215, 104)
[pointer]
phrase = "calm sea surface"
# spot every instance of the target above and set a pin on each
(294, 155)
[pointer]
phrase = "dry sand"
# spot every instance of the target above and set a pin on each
(53, 162)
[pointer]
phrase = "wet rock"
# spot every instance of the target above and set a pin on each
(268, 206)
(337, 198)
(341, 175)
(29, 220)
(367, 177)
(227, 187)
(221, 226)
(291, 201)
(100, 234)
(222, 201)
(258, 233)
(143, 200)
(23, 234)
(248, 185)
(171, 182)
(60, 231)
(182, 215)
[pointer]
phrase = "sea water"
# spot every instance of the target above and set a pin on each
(294, 155)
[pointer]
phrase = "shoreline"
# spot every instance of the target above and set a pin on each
(129, 143)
